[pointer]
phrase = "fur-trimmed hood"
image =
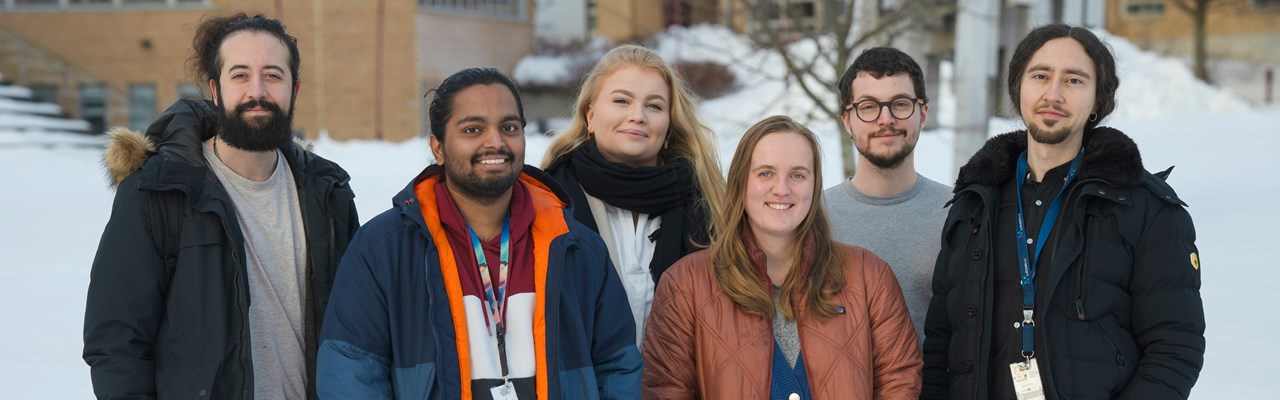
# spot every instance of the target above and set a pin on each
(177, 134)
(1108, 154)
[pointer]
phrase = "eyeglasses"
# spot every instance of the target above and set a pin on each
(900, 108)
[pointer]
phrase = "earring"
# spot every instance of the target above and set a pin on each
(666, 143)
(1093, 117)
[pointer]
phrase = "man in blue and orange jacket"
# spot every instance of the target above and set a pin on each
(477, 283)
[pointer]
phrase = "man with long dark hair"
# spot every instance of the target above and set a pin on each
(478, 283)
(214, 271)
(1067, 270)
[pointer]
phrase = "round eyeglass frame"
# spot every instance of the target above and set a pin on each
(880, 106)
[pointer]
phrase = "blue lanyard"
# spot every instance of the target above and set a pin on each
(1027, 264)
(495, 301)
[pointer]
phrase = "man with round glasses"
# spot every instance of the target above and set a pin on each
(887, 207)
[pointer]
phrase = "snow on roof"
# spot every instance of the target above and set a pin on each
(11, 106)
(14, 92)
(23, 122)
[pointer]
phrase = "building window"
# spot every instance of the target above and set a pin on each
(677, 12)
(35, 3)
(93, 105)
(592, 17)
(188, 91)
(142, 105)
(44, 93)
(80, 3)
(789, 18)
(495, 8)
(1266, 5)
(1144, 8)
(100, 4)
(143, 3)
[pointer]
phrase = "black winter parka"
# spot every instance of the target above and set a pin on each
(1120, 316)
(147, 335)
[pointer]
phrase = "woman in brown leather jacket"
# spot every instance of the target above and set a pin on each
(775, 308)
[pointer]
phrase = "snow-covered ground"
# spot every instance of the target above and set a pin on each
(55, 202)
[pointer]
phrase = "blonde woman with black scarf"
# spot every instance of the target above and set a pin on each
(640, 168)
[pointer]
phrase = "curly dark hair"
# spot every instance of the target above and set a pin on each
(206, 61)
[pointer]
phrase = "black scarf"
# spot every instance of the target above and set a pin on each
(669, 190)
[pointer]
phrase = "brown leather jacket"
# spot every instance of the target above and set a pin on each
(699, 345)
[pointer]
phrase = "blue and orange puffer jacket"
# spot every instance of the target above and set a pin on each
(395, 326)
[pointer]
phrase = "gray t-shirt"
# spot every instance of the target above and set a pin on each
(785, 332)
(904, 230)
(275, 247)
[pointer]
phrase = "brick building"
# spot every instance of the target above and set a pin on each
(365, 64)
(1241, 37)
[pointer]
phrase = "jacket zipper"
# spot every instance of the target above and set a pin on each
(1053, 255)
(1084, 251)
(982, 291)
(235, 290)
(982, 306)
(333, 248)
(1057, 240)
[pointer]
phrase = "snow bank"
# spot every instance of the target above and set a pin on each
(544, 70)
(1152, 85)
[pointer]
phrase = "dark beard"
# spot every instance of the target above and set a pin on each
(1048, 136)
(890, 161)
(265, 133)
(470, 184)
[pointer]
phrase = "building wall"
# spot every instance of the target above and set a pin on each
(626, 20)
(452, 41)
(351, 86)
(1237, 29)
(367, 90)
(106, 47)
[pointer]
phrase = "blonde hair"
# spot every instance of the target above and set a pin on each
(807, 284)
(687, 137)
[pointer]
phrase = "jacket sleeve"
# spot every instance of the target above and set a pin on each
(614, 357)
(897, 360)
(937, 326)
(1168, 315)
(668, 345)
(354, 358)
(125, 301)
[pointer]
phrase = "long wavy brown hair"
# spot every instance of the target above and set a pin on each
(689, 138)
(804, 291)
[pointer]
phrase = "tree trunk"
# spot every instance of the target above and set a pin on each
(847, 151)
(1200, 16)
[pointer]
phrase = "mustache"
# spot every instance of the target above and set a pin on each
(500, 152)
(273, 107)
(889, 131)
(1055, 108)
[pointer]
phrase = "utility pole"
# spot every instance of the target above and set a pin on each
(976, 24)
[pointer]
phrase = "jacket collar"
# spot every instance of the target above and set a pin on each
(1108, 154)
(546, 194)
(177, 136)
(759, 260)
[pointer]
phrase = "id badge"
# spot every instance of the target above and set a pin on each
(508, 391)
(1026, 380)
